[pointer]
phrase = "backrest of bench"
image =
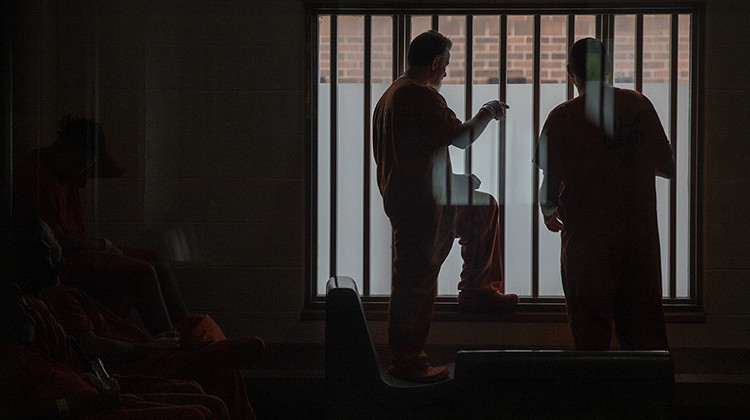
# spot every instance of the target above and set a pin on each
(349, 354)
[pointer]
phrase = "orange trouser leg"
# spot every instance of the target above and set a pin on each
(420, 245)
(479, 229)
(638, 313)
(119, 282)
(615, 283)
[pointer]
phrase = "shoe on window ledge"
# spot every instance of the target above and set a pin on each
(477, 300)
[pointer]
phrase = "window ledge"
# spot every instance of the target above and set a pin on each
(525, 312)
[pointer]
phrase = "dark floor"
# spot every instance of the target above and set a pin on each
(287, 398)
(304, 398)
(709, 384)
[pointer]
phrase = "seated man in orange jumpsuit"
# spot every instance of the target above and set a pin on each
(412, 129)
(33, 384)
(47, 184)
(600, 153)
(200, 352)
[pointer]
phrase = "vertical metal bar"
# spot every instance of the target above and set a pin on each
(639, 52)
(436, 23)
(570, 41)
(395, 49)
(696, 150)
(406, 35)
(468, 82)
(598, 25)
(534, 138)
(367, 82)
(313, 65)
(334, 141)
(401, 44)
(502, 84)
(608, 39)
(673, 96)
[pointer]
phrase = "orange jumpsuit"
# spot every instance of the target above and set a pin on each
(412, 129)
(610, 259)
(78, 313)
(33, 375)
(51, 339)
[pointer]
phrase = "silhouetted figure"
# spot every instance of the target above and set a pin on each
(197, 350)
(47, 184)
(600, 153)
(429, 206)
(35, 383)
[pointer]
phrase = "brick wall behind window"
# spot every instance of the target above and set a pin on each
(520, 52)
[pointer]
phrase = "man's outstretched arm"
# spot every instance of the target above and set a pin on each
(469, 131)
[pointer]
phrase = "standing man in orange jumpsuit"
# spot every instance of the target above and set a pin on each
(600, 153)
(412, 129)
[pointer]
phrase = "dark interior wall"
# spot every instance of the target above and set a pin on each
(204, 102)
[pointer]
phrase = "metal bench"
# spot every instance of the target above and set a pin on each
(488, 384)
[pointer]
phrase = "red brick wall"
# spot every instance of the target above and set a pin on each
(519, 55)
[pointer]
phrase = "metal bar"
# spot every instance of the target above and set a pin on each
(468, 90)
(535, 137)
(608, 33)
(570, 40)
(598, 26)
(436, 23)
(402, 44)
(696, 150)
(639, 52)
(313, 65)
(673, 63)
(503, 96)
(334, 141)
(367, 82)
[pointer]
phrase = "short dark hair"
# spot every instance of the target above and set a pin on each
(426, 46)
(77, 134)
(588, 59)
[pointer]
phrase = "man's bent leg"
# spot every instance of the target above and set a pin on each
(170, 291)
(119, 282)
(478, 228)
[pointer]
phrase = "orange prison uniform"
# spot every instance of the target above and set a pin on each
(78, 313)
(110, 278)
(33, 375)
(610, 260)
(412, 129)
(51, 339)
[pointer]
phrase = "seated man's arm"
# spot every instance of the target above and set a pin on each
(121, 351)
(69, 242)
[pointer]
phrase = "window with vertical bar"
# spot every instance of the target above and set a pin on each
(518, 56)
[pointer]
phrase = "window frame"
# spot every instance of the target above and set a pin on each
(530, 308)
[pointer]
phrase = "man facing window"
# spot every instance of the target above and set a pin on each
(600, 153)
(412, 129)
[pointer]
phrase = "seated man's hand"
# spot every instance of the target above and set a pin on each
(552, 220)
(166, 343)
(108, 385)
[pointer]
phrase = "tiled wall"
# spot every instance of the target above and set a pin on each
(204, 101)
